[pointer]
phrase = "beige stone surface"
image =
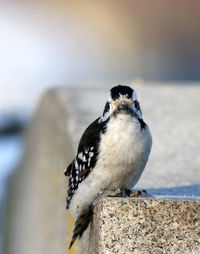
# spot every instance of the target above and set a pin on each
(145, 225)
(37, 221)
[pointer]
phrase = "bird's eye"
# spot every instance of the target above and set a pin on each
(136, 104)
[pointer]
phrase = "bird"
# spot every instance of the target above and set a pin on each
(112, 154)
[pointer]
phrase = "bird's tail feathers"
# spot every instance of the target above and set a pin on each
(81, 224)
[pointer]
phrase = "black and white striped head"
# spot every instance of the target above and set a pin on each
(121, 100)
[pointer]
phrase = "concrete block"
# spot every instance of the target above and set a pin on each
(37, 221)
(145, 225)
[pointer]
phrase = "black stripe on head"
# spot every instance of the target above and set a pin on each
(116, 91)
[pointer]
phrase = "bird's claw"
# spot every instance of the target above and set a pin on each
(123, 192)
(119, 193)
(129, 193)
(137, 193)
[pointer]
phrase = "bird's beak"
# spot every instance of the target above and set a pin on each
(125, 107)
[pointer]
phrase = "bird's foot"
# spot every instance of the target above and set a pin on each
(123, 192)
(135, 194)
(107, 193)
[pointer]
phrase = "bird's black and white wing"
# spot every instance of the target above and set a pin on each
(86, 157)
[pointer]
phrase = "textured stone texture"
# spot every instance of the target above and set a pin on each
(145, 225)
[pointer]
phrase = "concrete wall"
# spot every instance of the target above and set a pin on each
(37, 221)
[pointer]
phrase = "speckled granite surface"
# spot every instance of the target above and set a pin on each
(145, 225)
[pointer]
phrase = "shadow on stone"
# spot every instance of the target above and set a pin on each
(185, 190)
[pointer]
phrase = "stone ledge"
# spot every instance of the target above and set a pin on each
(145, 225)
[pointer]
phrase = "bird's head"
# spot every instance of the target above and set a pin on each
(121, 100)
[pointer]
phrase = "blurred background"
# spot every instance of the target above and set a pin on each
(65, 42)
(45, 43)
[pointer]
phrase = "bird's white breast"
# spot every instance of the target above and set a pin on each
(124, 150)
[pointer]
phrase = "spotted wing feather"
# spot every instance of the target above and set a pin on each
(86, 157)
